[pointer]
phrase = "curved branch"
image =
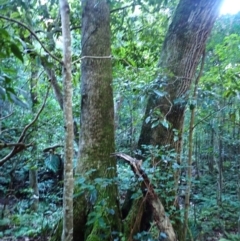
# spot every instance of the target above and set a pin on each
(35, 36)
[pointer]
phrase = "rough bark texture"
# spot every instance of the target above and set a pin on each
(67, 231)
(181, 52)
(180, 56)
(97, 126)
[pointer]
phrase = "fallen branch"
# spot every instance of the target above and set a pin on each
(160, 218)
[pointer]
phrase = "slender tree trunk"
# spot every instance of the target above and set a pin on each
(220, 166)
(67, 232)
(33, 172)
(180, 56)
(212, 144)
(190, 152)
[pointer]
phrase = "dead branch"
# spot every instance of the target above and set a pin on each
(159, 215)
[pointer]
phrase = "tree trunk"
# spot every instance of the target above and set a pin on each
(33, 172)
(190, 152)
(97, 128)
(67, 231)
(181, 52)
(180, 56)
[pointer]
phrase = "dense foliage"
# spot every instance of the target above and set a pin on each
(30, 40)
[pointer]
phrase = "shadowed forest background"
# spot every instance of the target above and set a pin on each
(128, 115)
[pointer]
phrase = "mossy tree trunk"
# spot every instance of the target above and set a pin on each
(180, 56)
(97, 129)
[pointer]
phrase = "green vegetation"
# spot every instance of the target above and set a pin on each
(33, 138)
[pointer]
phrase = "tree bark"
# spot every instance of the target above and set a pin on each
(97, 127)
(67, 231)
(181, 52)
(180, 56)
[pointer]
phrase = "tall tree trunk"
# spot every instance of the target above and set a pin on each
(181, 52)
(190, 152)
(97, 127)
(33, 172)
(67, 232)
(180, 56)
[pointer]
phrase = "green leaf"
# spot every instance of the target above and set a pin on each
(16, 51)
(111, 211)
(136, 195)
(155, 123)
(165, 123)
(53, 162)
(148, 119)
(2, 91)
(4, 34)
(101, 222)
(175, 138)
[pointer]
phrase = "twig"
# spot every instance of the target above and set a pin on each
(122, 8)
(5, 117)
(202, 120)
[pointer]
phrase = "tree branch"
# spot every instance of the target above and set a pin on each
(34, 34)
(5, 117)
(122, 8)
(19, 146)
(209, 115)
